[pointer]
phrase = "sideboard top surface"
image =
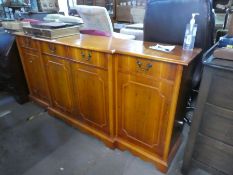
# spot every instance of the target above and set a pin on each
(127, 47)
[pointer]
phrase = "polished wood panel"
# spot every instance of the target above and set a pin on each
(32, 52)
(88, 57)
(91, 96)
(126, 47)
(54, 49)
(59, 81)
(146, 68)
(129, 47)
(143, 101)
(27, 42)
(35, 78)
(34, 70)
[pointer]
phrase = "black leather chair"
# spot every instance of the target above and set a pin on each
(222, 3)
(165, 22)
(12, 77)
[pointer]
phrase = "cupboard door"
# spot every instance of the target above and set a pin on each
(59, 83)
(35, 76)
(91, 96)
(143, 102)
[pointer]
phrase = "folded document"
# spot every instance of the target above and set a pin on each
(162, 48)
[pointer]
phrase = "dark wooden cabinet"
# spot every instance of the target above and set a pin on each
(210, 143)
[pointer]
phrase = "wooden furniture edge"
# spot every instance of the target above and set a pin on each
(118, 51)
(156, 160)
(39, 101)
(71, 121)
(171, 121)
(115, 142)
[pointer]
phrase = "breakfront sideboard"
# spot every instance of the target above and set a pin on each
(122, 92)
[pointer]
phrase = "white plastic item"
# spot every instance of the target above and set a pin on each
(162, 48)
(190, 34)
(71, 19)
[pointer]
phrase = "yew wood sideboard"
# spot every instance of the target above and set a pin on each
(129, 96)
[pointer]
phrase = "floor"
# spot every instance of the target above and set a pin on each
(34, 143)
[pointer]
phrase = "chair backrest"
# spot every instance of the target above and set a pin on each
(95, 18)
(220, 6)
(165, 21)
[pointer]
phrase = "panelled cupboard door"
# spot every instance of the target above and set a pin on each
(91, 96)
(35, 75)
(144, 90)
(59, 80)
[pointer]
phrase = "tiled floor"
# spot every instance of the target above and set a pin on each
(34, 143)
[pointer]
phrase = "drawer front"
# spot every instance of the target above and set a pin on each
(89, 57)
(218, 124)
(30, 52)
(213, 153)
(221, 91)
(148, 68)
(27, 42)
(54, 49)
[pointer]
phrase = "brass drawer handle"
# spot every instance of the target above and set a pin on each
(83, 54)
(139, 63)
(89, 56)
(52, 48)
(146, 68)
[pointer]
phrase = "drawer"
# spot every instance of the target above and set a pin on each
(145, 67)
(27, 51)
(27, 42)
(214, 154)
(218, 124)
(54, 49)
(221, 91)
(90, 57)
